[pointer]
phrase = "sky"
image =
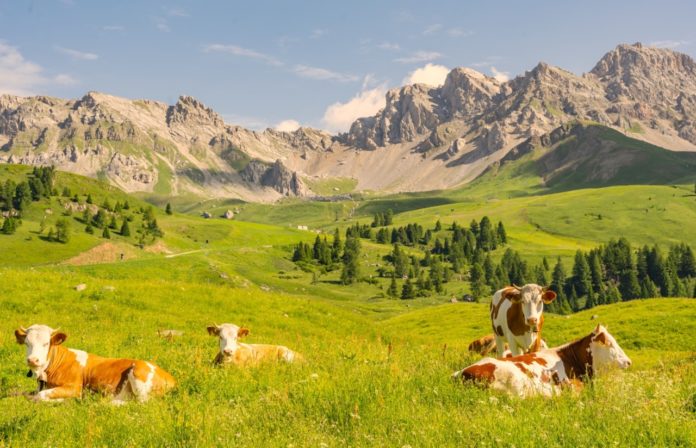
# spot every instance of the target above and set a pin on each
(285, 63)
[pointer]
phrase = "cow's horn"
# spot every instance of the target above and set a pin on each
(22, 329)
(516, 287)
(55, 331)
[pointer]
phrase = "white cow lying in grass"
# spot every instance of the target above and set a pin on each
(234, 352)
(547, 371)
(66, 372)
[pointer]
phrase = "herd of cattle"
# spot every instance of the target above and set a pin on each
(525, 368)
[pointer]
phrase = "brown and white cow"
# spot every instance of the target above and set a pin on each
(66, 372)
(517, 317)
(234, 352)
(548, 371)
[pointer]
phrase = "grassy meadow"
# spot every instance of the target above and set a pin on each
(376, 370)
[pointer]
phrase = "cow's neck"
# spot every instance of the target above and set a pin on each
(577, 358)
(56, 358)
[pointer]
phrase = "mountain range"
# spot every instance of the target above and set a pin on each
(424, 138)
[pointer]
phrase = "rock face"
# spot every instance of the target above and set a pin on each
(147, 146)
(424, 138)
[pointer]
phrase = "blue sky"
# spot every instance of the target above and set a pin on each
(316, 63)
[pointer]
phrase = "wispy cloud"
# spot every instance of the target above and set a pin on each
(319, 73)
(317, 33)
(113, 28)
(668, 43)
(459, 32)
(177, 12)
(162, 24)
(249, 122)
(242, 52)
(487, 62)
(419, 56)
(389, 46)
(432, 29)
(500, 75)
(19, 76)
(77, 54)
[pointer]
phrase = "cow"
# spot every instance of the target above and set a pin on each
(548, 371)
(517, 317)
(66, 372)
(234, 352)
(486, 344)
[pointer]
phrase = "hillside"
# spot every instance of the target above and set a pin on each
(425, 138)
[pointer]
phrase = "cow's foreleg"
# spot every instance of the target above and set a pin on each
(58, 393)
(499, 345)
(515, 348)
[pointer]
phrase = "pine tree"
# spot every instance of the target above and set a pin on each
(389, 217)
(63, 230)
(99, 219)
(582, 276)
(351, 261)
(9, 226)
(125, 229)
(337, 246)
(89, 229)
(89, 198)
(407, 291)
(438, 226)
(112, 224)
(106, 234)
(558, 279)
(126, 205)
(168, 209)
(478, 281)
(393, 289)
(502, 234)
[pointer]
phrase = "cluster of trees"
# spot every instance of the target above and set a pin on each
(382, 219)
(615, 272)
(329, 256)
(16, 197)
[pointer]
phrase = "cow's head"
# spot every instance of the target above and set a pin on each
(606, 353)
(228, 334)
(38, 340)
(532, 298)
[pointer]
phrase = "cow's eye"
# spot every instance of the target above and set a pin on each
(46, 344)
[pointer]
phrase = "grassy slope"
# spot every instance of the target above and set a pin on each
(352, 390)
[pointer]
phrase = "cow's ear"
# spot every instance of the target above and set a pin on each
(213, 330)
(515, 295)
(58, 338)
(548, 297)
(20, 335)
(242, 332)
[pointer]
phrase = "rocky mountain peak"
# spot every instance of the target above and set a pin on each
(468, 92)
(189, 110)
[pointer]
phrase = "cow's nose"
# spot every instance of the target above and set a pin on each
(532, 321)
(227, 351)
(33, 361)
(628, 363)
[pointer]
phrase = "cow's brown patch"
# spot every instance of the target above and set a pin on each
(515, 320)
(576, 358)
(479, 372)
(499, 330)
(529, 359)
(524, 370)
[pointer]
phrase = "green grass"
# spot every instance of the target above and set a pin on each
(332, 186)
(377, 370)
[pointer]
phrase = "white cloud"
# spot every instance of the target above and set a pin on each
(432, 29)
(339, 116)
(458, 32)
(77, 54)
(499, 75)
(243, 52)
(419, 56)
(317, 33)
(287, 126)
(431, 74)
(65, 80)
(668, 43)
(322, 74)
(177, 12)
(21, 77)
(162, 24)
(389, 46)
